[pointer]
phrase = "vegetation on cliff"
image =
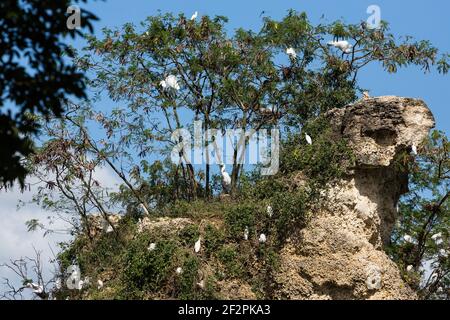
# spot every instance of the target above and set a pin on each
(244, 80)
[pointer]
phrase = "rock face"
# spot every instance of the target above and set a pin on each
(339, 255)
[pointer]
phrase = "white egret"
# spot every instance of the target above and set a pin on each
(99, 284)
(151, 247)
(408, 238)
(201, 284)
(443, 253)
(269, 211)
(308, 139)
(266, 110)
(246, 231)
(106, 227)
(291, 53)
(179, 270)
(262, 238)
(80, 285)
(366, 95)
(37, 289)
(226, 179)
(343, 45)
(409, 268)
(437, 238)
(197, 245)
(414, 149)
(58, 284)
(194, 16)
(171, 81)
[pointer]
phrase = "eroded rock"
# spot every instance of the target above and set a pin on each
(339, 255)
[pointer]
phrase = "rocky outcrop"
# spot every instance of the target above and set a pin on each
(339, 255)
(98, 224)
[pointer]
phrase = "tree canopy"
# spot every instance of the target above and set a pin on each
(35, 75)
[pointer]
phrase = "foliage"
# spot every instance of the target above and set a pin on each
(148, 270)
(424, 213)
(35, 76)
(243, 80)
(214, 238)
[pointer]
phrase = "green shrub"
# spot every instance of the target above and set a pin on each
(213, 240)
(188, 281)
(232, 262)
(290, 211)
(148, 270)
(238, 218)
(326, 159)
(189, 235)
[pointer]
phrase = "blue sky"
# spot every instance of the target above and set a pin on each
(420, 19)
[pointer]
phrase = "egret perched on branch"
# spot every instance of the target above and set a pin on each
(437, 238)
(179, 270)
(409, 268)
(408, 238)
(37, 289)
(291, 53)
(171, 81)
(194, 16)
(308, 139)
(99, 284)
(443, 253)
(151, 247)
(343, 45)
(197, 245)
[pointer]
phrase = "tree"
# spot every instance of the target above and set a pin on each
(239, 81)
(30, 273)
(421, 240)
(35, 76)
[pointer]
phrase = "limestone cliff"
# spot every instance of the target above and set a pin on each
(339, 255)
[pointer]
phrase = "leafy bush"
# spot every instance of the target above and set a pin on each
(238, 218)
(232, 262)
(189, 235)
(148, 270)
(188, 279)
(213, 239)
